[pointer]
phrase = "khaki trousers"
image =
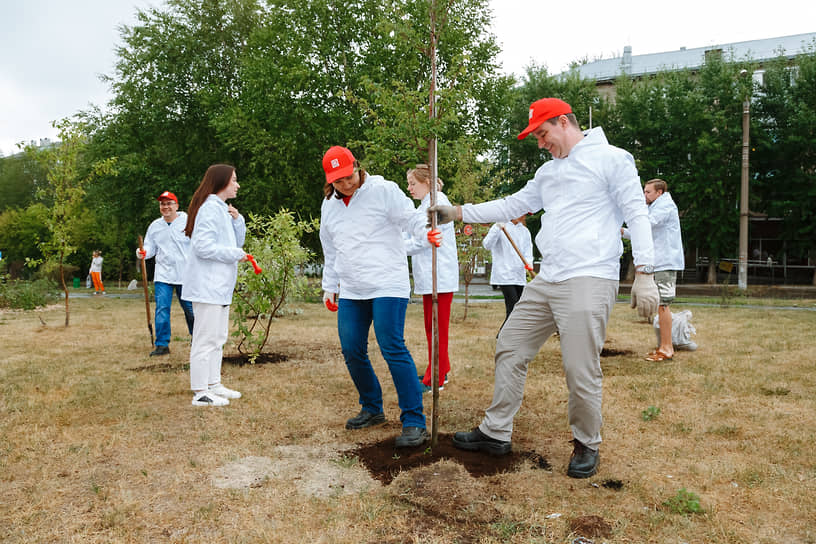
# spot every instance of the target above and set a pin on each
(579, 310)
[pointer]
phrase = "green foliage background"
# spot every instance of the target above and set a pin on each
(269, 87)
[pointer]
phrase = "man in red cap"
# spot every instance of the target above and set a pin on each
(586, 192)
(165, 240)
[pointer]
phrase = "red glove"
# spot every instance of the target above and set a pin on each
(528, 266)
(328, 300)
(255, 266)
(435, 237)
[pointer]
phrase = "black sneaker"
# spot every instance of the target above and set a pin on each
(412, 436)
(160, 350)
(476, 440)
(365, 419)
(583, 462)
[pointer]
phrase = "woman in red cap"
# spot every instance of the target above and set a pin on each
(365, 264)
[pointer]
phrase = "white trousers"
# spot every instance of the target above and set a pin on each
(210, 331)
(579, 309)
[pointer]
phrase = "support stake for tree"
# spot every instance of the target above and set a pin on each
(434, 295)
(147, 296)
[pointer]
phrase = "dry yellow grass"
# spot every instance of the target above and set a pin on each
(99, 442)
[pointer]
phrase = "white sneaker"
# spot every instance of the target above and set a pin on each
(208, 398)
(225, 392)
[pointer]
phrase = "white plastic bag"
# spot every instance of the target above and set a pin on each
(132, 285)
(682, 329)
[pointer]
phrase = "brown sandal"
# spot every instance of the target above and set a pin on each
(657, 356)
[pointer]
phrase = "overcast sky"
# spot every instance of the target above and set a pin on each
(52, 51)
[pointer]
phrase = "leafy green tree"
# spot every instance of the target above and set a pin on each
(784, 111)
(177, 69)
(20, 233)
(686, 128)
(67, 178)
(471, 94)
(18, 181)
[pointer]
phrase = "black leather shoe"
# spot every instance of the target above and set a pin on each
(583, 462)
(476, 440)
(365, 419)
(412, 436)
(160, 350)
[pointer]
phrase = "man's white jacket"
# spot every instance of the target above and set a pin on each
(215, 249)
(421, 252)
(586, 197)
(168, 243)
(668, 241)
(507, 268)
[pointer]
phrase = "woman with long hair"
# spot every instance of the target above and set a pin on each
(447, 272)
(216, 232)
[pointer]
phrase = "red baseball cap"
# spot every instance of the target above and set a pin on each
(338, 162)
(542, 110)
(167, 195)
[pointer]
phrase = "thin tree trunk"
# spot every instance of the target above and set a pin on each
(65, 290)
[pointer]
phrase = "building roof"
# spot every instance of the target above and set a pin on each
(641, 65)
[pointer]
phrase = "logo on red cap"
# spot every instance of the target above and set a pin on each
(167, 195)
(338, 162)
(542, 110)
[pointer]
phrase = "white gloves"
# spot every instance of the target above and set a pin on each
(140, 253)
(500, 225)
(645, 296)
(444, 214)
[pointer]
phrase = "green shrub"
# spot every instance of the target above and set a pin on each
(275, 242)
(685, 502)
(26, 295)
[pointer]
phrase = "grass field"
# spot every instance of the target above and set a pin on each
(99, 442)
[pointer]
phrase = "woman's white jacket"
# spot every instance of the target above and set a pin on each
(421, 252)
(363, 249)
(215, 249)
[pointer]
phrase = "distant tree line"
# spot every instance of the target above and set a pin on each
(269, 89)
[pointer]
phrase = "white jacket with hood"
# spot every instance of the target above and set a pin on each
(507, 268)
(215, 249)
(168, 243)
(421, 252)
(586, 197)
(363, 248)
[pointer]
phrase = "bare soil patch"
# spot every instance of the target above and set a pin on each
(591, 526)
(316, 471)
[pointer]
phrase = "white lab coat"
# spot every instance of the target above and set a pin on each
(586, 197)
(668, 241)
(421, 252)
(363, 248)
(215, 249)
(507, 268)
(168, 243)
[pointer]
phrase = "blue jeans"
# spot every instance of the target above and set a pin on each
(354, 319)
(164, 296)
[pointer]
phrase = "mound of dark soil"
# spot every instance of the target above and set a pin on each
(384, 461)
(262, 359)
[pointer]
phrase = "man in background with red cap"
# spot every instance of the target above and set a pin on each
(586, 192)
(165, 240)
